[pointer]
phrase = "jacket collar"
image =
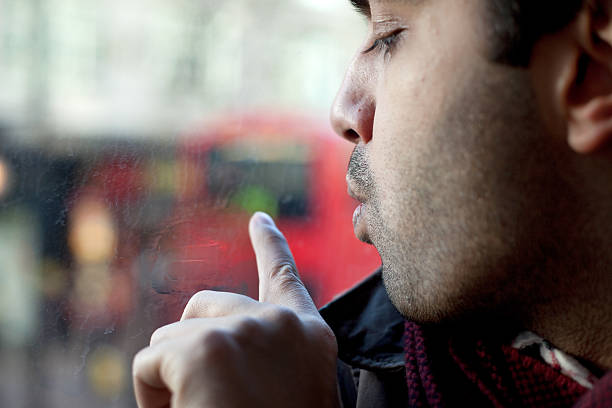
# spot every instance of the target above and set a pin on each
(368, 328)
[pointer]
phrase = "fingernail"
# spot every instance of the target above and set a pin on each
(262, 217)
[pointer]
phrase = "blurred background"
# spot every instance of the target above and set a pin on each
(136, 138)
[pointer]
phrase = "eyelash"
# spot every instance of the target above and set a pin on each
(385, 44)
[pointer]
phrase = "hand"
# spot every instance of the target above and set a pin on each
(229, 350)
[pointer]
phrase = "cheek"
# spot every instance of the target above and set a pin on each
(417, 86)
(409, 101)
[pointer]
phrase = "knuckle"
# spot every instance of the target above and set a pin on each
(196, 303)
(157, 336)
(200, 297)
(285, 274)
(162, 333)
(284, 318)
(248, 328)
(286, 268)
(137, 364)
(213, 345)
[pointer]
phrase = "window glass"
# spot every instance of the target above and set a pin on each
(136, 139)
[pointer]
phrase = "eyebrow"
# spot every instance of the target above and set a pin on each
(362, 7)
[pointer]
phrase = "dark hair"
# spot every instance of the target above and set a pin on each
(516, 25)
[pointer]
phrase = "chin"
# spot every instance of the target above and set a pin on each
(427, 306)
(412, 303)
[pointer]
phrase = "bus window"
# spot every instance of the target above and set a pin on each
(260, 179)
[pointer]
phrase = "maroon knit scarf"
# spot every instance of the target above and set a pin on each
(443, 371)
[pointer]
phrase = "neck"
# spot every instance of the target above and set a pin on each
(579, 319)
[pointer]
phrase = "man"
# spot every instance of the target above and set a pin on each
(482, 162)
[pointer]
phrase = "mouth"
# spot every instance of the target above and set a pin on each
(360, 226)
(353, 191)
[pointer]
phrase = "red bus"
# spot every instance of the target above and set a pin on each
(123, 242)
(292, 168)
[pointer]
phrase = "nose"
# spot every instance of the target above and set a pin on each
(352, 113)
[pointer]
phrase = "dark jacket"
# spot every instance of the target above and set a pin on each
(372, 367)
(369, 331)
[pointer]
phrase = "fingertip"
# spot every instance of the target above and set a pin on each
(260, 218)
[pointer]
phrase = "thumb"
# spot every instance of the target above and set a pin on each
(279, 281)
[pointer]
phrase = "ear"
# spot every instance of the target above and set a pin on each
(588, 96)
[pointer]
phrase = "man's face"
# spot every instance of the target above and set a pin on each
(454, 169)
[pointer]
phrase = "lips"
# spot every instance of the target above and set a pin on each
(357, 215)
(359, 220)
(352, 191)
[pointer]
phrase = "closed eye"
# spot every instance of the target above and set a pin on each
(384, 44)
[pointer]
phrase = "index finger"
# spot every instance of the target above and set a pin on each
(279, 281)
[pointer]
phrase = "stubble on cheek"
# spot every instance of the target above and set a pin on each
(392, 221)
(372, 186)
(450, 213)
